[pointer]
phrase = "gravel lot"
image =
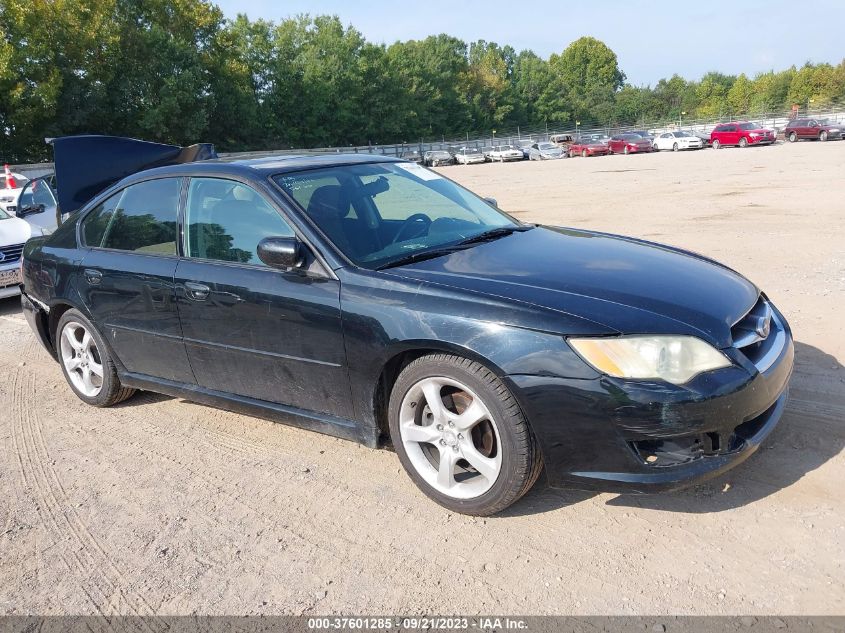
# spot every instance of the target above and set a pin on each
(163, 506)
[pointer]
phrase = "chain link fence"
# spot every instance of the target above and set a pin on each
(518, 137)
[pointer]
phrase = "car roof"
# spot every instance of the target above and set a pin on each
(264, 167)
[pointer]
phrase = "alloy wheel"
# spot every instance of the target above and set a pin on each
(81, 359)
(823, 135)
(675, 147)
(450, 437)
(793, 137)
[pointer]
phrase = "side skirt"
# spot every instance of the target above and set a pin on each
(292, 416)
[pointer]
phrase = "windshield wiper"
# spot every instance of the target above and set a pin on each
(420, 256)
(493, 234)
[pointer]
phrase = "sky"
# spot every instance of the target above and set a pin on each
(652, 39)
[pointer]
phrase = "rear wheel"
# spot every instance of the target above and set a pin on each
(823, 135)
(743, 142)
(86, 362)
(461, 436)
(792, 137)
(716, 144)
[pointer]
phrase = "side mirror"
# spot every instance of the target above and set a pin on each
(492, 202)
(280, 252)
(30, 210)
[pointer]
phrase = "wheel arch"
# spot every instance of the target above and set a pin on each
(400, 357)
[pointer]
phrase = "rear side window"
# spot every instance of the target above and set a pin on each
(94, 224)
(141, 219)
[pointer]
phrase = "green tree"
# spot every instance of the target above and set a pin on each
(587, 76)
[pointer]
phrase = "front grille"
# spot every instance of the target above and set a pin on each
(759, 335)
(10, 253)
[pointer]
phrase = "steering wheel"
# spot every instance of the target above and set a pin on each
(410, 221)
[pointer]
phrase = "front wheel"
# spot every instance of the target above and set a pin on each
(461, 435)
(743, 142)
(823, 135)
(584, 153)
(675, 147)
(86, 362)
(716, 144)
(625, 151)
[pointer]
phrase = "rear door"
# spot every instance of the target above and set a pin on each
(250, 330)
(126, 280)
(730, 135)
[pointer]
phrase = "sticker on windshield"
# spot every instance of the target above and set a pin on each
(419, 171)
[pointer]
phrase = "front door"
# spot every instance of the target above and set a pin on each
(37, 205)
(251, 330)
(126, 281)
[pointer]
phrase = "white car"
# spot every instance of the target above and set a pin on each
(677, 141)
(9, 197)
(37, 205)
(468, 156)
(14, 232)
(505, 153)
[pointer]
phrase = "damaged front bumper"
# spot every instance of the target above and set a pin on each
(616, 435)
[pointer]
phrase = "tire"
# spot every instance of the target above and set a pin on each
(792, 137)
(716, 144)
(583, 153)
(79, 347)
(675, 147)
(823, 135)
(743, 142)
(500, 438)
(625, 151)
(654, 148)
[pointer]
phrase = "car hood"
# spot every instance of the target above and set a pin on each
(14, 231)
(627, 285)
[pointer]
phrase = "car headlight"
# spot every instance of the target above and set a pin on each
(675, 359)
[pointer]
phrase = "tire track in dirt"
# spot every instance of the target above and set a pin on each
(90, 559)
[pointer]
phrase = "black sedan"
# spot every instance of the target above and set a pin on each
(373, 299)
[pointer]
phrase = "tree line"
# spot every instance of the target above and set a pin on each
(177, 71)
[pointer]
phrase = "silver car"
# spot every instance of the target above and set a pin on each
(37, 205)
(545, 151)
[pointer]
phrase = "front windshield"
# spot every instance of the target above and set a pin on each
(631, 137)
(547, 146)
(682, 134)
(749, 126)
(472, 151)
(441, 155)
(379, 212)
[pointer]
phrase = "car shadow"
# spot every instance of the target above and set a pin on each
(10, 306)
(810, 434)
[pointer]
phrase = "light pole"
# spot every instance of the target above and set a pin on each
(681, 120)
(577, 123)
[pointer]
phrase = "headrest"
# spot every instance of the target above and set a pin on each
(328, 201)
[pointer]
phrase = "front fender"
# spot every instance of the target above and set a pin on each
(382, 320)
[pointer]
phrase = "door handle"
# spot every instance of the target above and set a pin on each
(92, 276)
(197, 292)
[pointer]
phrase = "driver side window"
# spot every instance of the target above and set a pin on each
(225, 220)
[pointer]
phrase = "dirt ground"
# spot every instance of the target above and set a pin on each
(163, 506)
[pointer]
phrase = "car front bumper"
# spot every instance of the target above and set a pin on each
(10, 287)
(616, 435)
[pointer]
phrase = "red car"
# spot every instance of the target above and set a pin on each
(588, 146)
(819, 129)
(741, 133)
(629, 144)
